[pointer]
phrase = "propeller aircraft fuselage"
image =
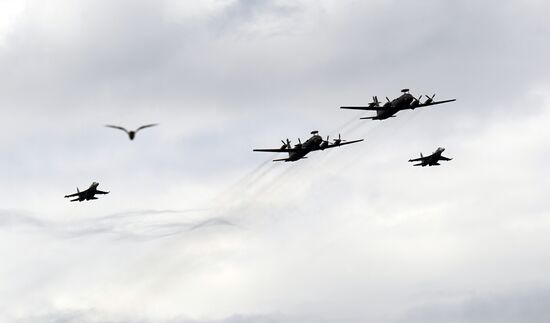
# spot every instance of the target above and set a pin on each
(300, 150)
(391, 107)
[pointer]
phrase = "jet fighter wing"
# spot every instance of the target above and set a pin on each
(434, 103)
(277, 150)
(417, 159)
(72, 195)
(444, 158)
(343, 143)
(100, 192)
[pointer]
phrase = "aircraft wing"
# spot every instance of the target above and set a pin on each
(71, 195)
(276, 150)
(417, 159)
(435, 103)
(101, 192)
(444, 158)
(363, 108)
(344, 143)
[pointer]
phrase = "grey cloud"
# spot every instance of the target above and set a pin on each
(327, 235)
(94, 317)
(135, 225)
(516, 307)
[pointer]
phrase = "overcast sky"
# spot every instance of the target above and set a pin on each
(199, 229)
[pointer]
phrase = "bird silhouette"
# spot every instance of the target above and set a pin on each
(131, 133)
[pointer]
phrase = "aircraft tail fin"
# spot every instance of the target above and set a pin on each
(77, 190)
(421, 156)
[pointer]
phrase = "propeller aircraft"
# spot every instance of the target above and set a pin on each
(391, 107)
(300, 150)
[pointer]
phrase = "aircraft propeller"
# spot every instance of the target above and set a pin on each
(375, 102)
(339, 140)
(285, 144)
(415, 102)
(325, 143)
(429, 99)
(299, 145)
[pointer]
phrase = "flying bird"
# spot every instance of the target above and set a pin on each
(132, 133)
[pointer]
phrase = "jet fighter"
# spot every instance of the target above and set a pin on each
(131, 133)
(300, 150)
(88, 194)
(390, 108)
(431, 160)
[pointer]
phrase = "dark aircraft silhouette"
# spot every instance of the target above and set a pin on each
(131, 133)
(431, 160)
(88, 194)
(300, 150)
(390, 108)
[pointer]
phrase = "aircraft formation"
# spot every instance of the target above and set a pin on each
(316, 143)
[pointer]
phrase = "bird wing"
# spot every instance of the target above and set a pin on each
(146, 126)
(117, 127)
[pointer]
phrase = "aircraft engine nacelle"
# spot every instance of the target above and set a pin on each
(387, 104)
(429, 99)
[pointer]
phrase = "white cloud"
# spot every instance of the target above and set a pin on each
(349, 235)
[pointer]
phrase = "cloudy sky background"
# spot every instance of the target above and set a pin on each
(197, 228)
